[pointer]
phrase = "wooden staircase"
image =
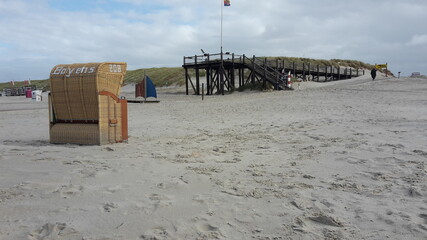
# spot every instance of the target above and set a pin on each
(264, 71)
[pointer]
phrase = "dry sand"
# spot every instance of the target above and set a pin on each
(337, 160)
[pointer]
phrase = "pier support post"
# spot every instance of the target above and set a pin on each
(243, 71)
(186, 76)
(186, 81)
(293, 69)
(264, 80)
(326, 73)
(221, 73)
(303, 71)
(253, 71)
(232, 74)
(318, 72)
(208, 77)
(197, 77)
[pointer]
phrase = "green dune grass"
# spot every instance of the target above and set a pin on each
(170, 76)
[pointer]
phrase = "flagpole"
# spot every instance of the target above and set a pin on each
(221, 76)
(222, 7)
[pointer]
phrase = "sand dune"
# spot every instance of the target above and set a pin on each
(337, 160)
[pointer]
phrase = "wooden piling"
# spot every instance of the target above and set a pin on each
(186, 79)
(326, 73)
(197, 77)
(303, 71)
(293, 70)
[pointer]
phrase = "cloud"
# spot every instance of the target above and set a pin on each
(418, 40)
(36, 35)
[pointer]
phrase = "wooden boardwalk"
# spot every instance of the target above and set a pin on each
(225, 70)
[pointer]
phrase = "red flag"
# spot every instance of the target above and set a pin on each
(227, 3)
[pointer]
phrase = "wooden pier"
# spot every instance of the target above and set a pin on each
(225, 70)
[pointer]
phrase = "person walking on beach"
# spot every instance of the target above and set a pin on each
(373, 73)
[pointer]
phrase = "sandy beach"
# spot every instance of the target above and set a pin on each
(336, 160)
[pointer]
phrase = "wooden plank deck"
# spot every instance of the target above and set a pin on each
(222, 69)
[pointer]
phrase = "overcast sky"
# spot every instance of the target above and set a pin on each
(36, 35)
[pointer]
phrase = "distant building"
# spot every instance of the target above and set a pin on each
(17, 91)
(7, 92)
(415, 74)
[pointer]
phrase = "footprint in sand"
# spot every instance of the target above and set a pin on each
(12, 193)
(55, 231)
(331, 234)
(423, 216)
(72, 162)
(115, 189)
(414, 192)
(420, 152)
(157, 233)
(207, 231)
(87, 173)
(208, 170)
(160, 200)
(109, 207)
(70, 190)
(326, 220)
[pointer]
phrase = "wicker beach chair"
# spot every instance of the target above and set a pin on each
(84, 104)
